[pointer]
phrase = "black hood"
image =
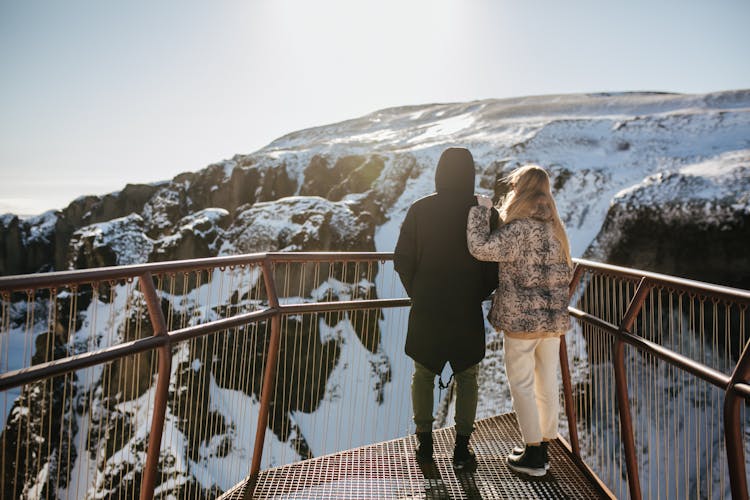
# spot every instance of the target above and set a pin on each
(454, 175)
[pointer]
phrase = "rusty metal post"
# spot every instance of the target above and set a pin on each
(148, 483)
(570, 410)
(621, 387)
(269, 376)
(626, 422)
(732, 430)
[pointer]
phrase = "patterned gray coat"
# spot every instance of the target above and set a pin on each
(531, 300)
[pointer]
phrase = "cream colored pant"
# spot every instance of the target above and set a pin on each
(531, 366)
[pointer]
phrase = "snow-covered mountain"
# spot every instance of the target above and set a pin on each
(654, 181)
(622, 165)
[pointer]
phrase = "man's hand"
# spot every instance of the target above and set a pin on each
(484, 201)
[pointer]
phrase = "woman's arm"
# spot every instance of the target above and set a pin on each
(502, 245)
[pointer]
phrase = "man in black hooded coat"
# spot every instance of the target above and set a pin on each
(447, 286)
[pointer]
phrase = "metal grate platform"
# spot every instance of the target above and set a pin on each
(389, 470)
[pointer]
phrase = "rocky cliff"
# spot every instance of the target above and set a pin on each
(684, 158)
(655, 181)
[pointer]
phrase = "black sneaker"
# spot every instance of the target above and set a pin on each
(518, 451)
(530, 462)
(463, 457)
(424, 451)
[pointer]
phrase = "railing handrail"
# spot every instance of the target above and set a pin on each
(700, 370)
(84, 276)
(56, 367)
(20, 282)
(719, 291)
(81, 276)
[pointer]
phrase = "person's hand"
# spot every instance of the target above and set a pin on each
(484, 201)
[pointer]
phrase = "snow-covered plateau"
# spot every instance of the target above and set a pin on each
(647, 180)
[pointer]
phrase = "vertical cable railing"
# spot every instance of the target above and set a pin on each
(336, 386)
(158, 372)
(652, 361)
(591, 352)
(93, 341)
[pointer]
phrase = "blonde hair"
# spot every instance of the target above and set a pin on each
(531, 196)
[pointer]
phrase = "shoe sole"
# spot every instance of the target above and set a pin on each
(528, 470)
(518, 455)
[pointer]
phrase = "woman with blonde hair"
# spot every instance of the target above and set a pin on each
(530, 304)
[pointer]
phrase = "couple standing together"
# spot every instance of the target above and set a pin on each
(453, 250)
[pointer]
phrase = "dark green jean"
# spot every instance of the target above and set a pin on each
(422, 399)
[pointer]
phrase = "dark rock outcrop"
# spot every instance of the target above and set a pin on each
(688, 246)
(683, 223)
(194, 236)
(358, 179)
(349, 174)
(11, 248)
(114, 243)
(27, 246)
(119, 204)
(205, 213)
(53, 241)
(301, 224)
(389, 186)
(230, 185)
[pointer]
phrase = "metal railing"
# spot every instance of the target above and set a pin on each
(127, 364)
(130, 363)
(660, 372)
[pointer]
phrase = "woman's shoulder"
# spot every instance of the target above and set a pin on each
(528, 228)
(523, 224)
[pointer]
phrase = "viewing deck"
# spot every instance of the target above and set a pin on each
(282, 375)
(390, 470)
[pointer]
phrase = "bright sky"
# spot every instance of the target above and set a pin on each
(94, 95)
